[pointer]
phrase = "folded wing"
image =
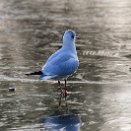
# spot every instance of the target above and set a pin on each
(62, 65)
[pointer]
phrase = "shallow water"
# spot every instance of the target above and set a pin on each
(100, 92)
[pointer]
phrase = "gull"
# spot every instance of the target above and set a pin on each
(63, 63)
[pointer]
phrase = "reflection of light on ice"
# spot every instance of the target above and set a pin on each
(108, 53)
(116, 108)
(119, 3)
(117, 14)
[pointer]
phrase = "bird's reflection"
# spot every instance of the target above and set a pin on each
(62, 123)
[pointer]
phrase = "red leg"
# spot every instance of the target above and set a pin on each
(66, 93)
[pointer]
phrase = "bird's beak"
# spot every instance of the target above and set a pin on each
(77, 37)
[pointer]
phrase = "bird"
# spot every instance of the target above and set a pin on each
(63, 63)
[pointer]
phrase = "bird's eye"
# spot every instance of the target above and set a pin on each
(72, 36)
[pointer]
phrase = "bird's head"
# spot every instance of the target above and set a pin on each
(69, 36)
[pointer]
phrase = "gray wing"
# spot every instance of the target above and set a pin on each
(61, 65)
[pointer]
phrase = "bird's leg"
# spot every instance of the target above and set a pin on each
(60, 102)
(60, 87)
(63, 92)
(60, 95)
(66, 93)
(59, 83)
(65, 84)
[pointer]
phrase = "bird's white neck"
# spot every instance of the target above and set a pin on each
(69, 46)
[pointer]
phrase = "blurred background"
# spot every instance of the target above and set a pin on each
(100, 92)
